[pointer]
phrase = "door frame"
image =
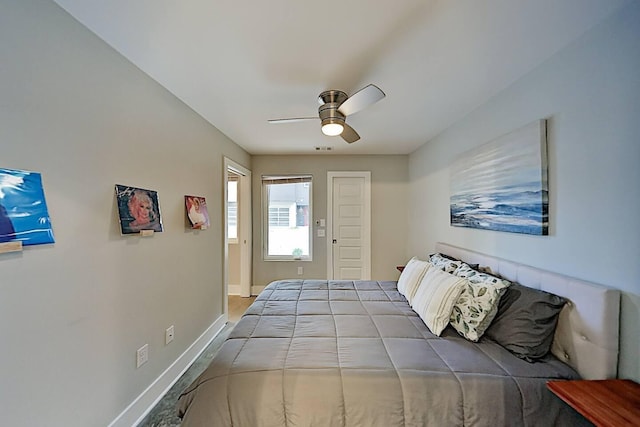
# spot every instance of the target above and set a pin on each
(244, 228)
(366, 268)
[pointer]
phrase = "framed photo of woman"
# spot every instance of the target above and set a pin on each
(197, 212)
(138, 210)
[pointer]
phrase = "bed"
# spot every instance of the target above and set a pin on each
(345, 353)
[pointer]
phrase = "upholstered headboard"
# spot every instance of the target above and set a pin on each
(587, 333)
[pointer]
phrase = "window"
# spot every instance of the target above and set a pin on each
(287, 217)
(232, 209)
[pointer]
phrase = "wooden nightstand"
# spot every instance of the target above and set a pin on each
(603, 402)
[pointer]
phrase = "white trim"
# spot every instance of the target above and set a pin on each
(366, 267)
(244, 228)
(245, 232)
(265, 223)
(234, 289)
(144, 403)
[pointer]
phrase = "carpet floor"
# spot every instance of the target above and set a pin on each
(164, 414)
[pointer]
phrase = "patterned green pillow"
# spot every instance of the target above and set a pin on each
(475, 276)
(445, 264)
(477, 305)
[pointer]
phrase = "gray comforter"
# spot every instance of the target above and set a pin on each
(318, 353)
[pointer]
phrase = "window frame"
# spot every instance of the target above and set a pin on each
(233, 240)
(285, 179)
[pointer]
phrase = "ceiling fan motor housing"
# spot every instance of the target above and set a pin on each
(332, 96)
(330, 100)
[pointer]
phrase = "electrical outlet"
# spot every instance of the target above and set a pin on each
(142, 355)
(300, 270)
(168, 335)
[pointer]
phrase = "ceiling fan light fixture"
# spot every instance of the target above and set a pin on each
(332, 128)
(334, 108)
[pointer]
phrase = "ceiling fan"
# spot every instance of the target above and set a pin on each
(335, 106)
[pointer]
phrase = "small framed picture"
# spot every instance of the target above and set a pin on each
(138, 210)
(197, 212)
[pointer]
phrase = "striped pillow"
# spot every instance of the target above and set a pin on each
(411, 276)
(437, 293)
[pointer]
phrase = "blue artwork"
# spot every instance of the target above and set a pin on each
(502, 185)
(23, 209)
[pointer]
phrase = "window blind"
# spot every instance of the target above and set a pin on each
(290, 179)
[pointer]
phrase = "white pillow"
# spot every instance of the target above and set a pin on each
(411, 276)
(437, 293)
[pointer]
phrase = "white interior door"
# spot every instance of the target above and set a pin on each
(349, 225)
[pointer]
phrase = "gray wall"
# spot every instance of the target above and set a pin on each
(72, 314)
(388, 212)
(590, 93)
(234, 264)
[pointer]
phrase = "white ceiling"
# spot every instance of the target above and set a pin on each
(240, 63)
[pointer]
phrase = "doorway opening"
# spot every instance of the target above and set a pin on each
(237, 231)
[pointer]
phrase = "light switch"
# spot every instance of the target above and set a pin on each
(322, 223)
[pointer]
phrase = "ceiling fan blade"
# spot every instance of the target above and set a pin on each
(361, 99)
(349, 134)
(292, 120)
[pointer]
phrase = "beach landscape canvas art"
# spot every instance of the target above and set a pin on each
(138, 210)
(502, 185)
(24, 215)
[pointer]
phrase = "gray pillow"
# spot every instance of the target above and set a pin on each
(526, 321)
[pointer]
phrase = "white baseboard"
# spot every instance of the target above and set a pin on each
(143, 404)
(255, 290)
